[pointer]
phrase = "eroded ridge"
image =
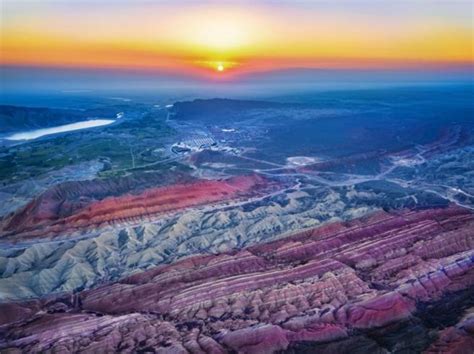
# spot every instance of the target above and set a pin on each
(56, 211)
(330, 287)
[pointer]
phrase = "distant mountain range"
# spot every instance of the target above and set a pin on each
(13, 118)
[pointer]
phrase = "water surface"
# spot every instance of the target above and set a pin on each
(34, 134)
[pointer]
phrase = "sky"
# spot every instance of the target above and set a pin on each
(227, 38)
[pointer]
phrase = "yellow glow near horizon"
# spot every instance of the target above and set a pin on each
(220, 34)
(178, 37)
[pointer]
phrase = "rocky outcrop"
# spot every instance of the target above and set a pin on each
(331, 285)
(65, 209)
(457, 339)
(80, 260)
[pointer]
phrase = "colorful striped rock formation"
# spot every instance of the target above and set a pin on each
(378, 284)
(60, 210)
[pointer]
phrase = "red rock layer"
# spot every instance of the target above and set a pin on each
(50, 218)
(457, 339)
(326, 284)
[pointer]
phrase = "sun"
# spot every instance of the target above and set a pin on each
(221, 66)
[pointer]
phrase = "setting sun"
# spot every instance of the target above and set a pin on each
(209, 38)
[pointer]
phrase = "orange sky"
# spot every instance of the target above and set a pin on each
(197, 37)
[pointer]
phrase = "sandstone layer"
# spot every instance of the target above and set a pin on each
(59, 210)
(329, 289)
